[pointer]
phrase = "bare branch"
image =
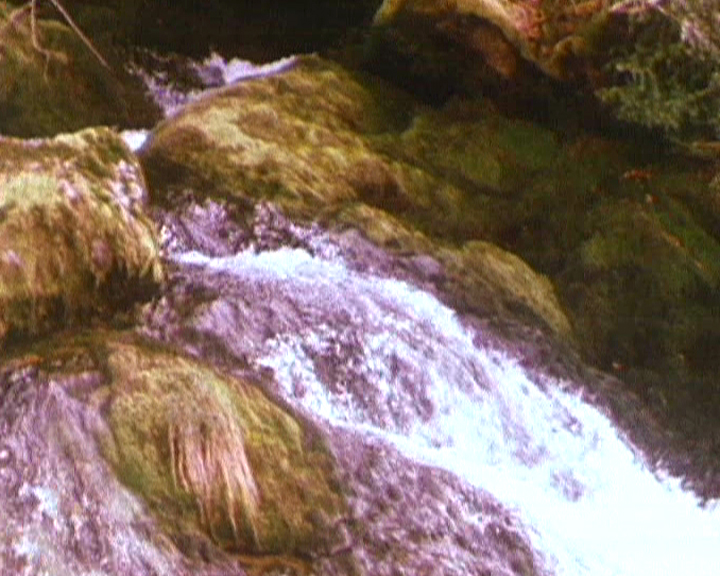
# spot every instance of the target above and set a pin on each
(77, 31)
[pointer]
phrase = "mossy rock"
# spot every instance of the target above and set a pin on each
(480, 277)
(638, 280)
(481, 268)
(296, 138)
(73, 235)
(63, 87)
(212, 455)
(317, 138)
(325, 144)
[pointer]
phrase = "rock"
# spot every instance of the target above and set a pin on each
(77, 411)
(542, 58)
(323, 143)
(634, 281)
(63, 509)
(496, 34)
(263, 139)
(61, 86)
(75, 239)
(482, 268)
(213, 455)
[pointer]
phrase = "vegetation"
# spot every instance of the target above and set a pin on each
(666, 74)
(74, 242)
(213, 455)
(53, 81)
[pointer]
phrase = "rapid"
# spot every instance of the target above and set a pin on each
(367, 352)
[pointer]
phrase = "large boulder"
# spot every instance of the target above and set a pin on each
(212, 455)
(74, 238)
(503, 47)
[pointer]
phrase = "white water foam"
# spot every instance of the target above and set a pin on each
(236, 69)
(592, 508)
(134, 138)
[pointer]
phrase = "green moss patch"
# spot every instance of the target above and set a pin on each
(73, 237)
(644, 289)
(295, 138)
(480, 268)
(212, 454)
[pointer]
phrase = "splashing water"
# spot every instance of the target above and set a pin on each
(380, 356)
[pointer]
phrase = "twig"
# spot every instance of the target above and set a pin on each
(77, 31)
(34, 38)
(31, 8)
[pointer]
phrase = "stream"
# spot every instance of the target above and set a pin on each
(356, 349)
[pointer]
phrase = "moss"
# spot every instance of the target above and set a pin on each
(384, 230)
(262, 483)
(73, 235)
(485, 272)
(25, 190)
(663, 243)
(65, 91)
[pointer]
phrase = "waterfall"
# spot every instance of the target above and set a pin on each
(381, 357)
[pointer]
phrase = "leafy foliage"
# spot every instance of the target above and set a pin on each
(667, 75)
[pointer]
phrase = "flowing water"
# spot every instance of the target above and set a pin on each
(376, 355)
(381, 357)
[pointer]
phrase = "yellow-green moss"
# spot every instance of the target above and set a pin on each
(470, 141)
(663, 243)
(480, 266)
(267, 485)
(71, 222)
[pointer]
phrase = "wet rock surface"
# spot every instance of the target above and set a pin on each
(410, 519)
(63, 509)
(230, 319)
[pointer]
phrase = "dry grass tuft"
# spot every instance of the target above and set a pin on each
(208, 460)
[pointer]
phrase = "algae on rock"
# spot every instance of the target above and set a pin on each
(74, 239)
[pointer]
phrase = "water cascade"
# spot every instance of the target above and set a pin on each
(377, 355)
